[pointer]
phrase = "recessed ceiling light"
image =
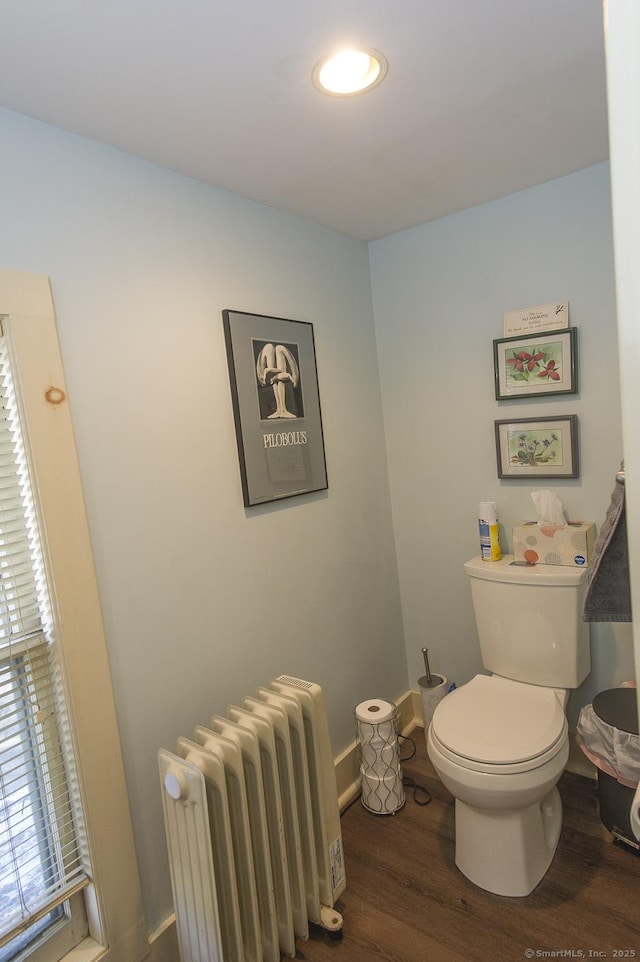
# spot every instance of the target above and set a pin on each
(350, 72)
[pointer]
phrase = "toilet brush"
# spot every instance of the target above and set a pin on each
(427, 671)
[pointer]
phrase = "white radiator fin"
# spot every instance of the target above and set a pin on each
(253, 827)
(275, 822)
(286, 784)
(328, 833)
(247, 744)
(234, 867)
(300, 790)
(190, 859)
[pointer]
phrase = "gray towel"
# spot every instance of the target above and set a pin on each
(608, 595)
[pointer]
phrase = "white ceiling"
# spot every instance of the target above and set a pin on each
(482, 98)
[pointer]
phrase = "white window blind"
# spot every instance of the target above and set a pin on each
(42, 856)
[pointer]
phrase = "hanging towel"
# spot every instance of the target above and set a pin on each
(608, 595)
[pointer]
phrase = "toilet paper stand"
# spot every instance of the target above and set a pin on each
(381, 774)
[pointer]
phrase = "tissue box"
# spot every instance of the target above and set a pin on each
(552, 545)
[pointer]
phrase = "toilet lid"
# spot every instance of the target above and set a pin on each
(499, 721)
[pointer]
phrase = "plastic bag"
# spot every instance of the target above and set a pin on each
(613, 751)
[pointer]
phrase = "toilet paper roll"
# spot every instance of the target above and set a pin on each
(377, 736)
(380, 761)
(382, 795)
(375, 711)
(634, 815)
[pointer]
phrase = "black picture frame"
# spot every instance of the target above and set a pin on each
(542, 447)
(276, 406)
(539, 364)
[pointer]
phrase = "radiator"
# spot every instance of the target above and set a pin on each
(253, 827)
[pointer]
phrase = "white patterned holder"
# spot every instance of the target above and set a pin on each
(382, 790)
(383, 795)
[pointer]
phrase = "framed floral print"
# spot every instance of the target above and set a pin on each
(537, 447)
(536, 365)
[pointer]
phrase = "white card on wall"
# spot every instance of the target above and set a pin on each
(546, 317)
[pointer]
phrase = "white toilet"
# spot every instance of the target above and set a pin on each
(500, 742)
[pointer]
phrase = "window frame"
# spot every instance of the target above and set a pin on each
(117, 926)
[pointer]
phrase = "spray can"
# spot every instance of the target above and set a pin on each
(490, 549)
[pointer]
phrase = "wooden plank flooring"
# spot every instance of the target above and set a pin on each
(406, 901)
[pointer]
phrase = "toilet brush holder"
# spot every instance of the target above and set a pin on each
(432, 690)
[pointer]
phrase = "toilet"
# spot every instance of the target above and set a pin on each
(500, 742)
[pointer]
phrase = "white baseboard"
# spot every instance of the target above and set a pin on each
(163, 943)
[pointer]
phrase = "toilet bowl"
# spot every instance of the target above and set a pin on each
(500, 746)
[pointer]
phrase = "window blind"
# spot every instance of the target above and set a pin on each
(42, 856)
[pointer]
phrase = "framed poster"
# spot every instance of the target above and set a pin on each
(276, 406)
(536, 365)
(537, 447)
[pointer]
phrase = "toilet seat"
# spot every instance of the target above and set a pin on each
(500, 726)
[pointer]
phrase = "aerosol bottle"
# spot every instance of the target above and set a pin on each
(490, 549)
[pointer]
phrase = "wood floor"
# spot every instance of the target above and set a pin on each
(406, 901)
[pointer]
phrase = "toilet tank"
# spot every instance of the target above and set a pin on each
(529, 621)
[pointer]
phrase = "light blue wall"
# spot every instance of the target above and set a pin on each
(202, 600)
(440, 292)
